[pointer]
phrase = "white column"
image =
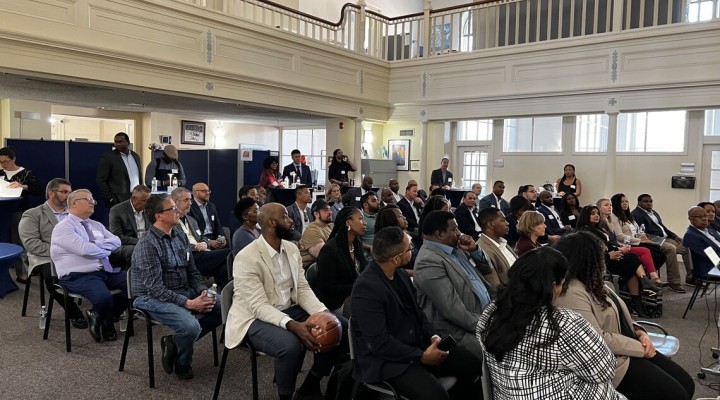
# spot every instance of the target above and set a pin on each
(357, 151)
(611, 153)
(425, 155)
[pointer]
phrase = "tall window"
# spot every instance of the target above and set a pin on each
(474, 130)
(702, 10)
(533, 135)
(659, 132)
(591, 133)
(712, 122)
(311, 143)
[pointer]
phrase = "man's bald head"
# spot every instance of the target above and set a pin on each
(269, 212)
(698, 217)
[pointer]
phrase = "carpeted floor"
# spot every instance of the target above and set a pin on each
(31, 368)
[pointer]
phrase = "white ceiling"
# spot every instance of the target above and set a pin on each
(59, 92)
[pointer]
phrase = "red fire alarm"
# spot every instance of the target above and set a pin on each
(341, 125)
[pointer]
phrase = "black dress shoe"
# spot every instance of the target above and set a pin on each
(93, 321)
(109, 333)
(169, 352)
(184, 372)
(79, 322)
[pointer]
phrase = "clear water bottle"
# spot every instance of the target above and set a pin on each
(123, 321)
(286, 182)
(212, 292)
(43, 316)
(174, 182)
(154, 185)
(642, 229)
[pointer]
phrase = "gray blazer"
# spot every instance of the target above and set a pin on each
(296, 216)
(36, 227)
(445, 294)
(123, 224)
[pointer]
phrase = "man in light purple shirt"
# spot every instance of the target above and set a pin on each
(80, 248)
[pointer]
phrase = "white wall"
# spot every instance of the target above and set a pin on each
(13, 126)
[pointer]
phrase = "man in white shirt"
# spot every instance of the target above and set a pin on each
(394, 186)
(129, 222)
(272, 302)
(552, 217)
(118, 171)
(299, 211)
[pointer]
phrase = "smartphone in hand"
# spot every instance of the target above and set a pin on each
(447, 343)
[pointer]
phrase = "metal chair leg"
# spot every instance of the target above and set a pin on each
(151, 358)
(253, 363)
(692, 299)
(25, 297)
(68, 340)
(221, 372)
(126, 342)
(47, 319)
(215, 350)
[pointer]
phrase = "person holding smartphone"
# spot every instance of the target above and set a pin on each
(339, 168)
(393, 338)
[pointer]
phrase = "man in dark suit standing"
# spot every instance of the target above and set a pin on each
(441, 176)
(410, 208)
(466, 216)
(657, 232)
(393, 339)
(697, 238)
(206, 215)
(302, 171)
(118, 171)
(495, 199)
(129, 222)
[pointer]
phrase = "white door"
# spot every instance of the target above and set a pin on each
(474, 166)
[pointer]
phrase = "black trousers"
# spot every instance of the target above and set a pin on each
(656, 378)
(420, 381)
(213, 263)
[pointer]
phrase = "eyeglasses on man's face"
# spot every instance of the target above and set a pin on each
(208, 191)
(173, 208)
(89, 200)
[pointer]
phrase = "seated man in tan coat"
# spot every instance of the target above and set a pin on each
(494, 227)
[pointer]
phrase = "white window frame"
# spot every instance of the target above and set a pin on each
(562, 137)
(644, 151)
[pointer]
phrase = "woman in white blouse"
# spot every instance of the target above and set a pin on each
(535, 350)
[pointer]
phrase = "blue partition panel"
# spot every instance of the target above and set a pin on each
(195, 165)
(223, 181)
(84, 159)
(253, 169)
(45, 158)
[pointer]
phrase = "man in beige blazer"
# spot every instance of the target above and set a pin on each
(494, 227)
(272, 302)
(35, 229)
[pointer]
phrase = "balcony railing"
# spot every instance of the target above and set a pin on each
(469, 27)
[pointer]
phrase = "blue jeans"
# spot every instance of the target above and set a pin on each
(188, 329)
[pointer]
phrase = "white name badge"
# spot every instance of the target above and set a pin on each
(187, 256)
(571, 217)
(97, 234)
(357, 199)
(551, 217)
(198, 232)
(449, 180)
(342, 172)
(174, 170)
(572, 186)
(212, 218)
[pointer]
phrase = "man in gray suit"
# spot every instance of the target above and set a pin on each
(129, 222)
(299, 211)
(36, 226)
(494, 227)
(450, 287)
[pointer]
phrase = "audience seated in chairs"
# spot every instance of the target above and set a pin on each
(574, 362)
(341, 260)
(317, 233)
(391, 215)
(434, 203)
(569, 210)
(299, 211)
(271, 303)
(369, 207)
(451, 290)
(80, 249)
(648, 259)
(206, 216)
(411, 207)
(713, 222)
(394, 340)
(169, 286)
(530, 227)
(658, 232)
(500, 255)
(640, 372)
(699, 237)
(209, 255)
(495, 199)
(333, 196)
(624, 225)
(129, 222)
(618, 259)
(245, 192)
(553, 223)
(35, 229)
(246, 210)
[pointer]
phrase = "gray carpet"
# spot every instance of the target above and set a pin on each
(35, 369)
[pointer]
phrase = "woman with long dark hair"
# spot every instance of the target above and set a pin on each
(618, 258)
(569, 209)
(270, 177)
(341, 259)
(641, 372)
(535, 350)
(569, 183)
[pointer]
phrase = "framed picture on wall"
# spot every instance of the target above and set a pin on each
(192, 132)
(400, 153)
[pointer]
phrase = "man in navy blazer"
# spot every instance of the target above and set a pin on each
(394, 341)
(552, 218)
(441, 176)
(301, 170)
(206, 214)
(697, 238)
(118, 171)
(466, 216)
(495, 199)
(654, 227)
